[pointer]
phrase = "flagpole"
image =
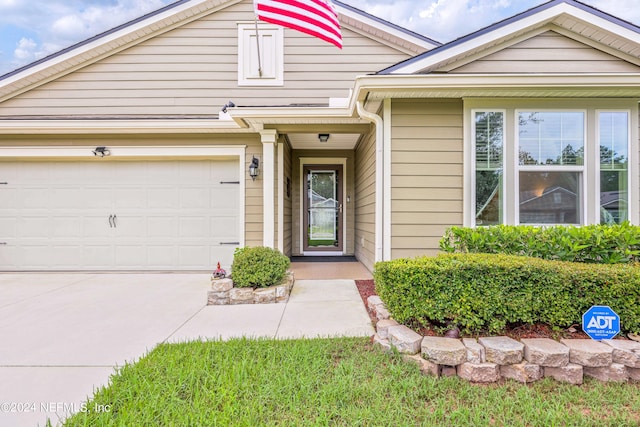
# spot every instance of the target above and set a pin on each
(258, 45)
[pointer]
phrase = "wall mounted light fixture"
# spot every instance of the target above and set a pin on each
(101, 152)
(229, 104)
(254, 168)
(323, 137)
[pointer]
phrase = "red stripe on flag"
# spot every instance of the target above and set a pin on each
(321, 18)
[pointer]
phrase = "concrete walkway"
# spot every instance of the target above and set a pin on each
(61, 335)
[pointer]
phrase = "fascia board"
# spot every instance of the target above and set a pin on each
(427, 45)
(116, 126)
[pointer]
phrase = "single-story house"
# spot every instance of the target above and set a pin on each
(167, 142)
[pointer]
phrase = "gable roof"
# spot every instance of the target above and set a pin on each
(590, 23)
(173, 16)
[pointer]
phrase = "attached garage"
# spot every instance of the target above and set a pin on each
(124, 215)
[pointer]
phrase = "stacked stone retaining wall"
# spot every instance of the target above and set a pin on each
(490, 359)
(224, 293)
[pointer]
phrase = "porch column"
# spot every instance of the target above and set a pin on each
(281, 191)
(268, 138)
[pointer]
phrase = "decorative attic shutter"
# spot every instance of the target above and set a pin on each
(271, 41)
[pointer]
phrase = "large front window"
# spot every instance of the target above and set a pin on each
(551, 163)
(542, 166)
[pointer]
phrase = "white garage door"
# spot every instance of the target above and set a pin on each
(108, 215)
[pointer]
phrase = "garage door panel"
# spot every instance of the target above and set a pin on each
(159, 256)
(97, 226)
(169, 215)
(194, 227)
(195, 198)
(163, 198)
(67, 227)
(98, 256)
(162, 227)
(131, 198)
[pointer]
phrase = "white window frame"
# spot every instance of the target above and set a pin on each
(473, 160)
(274, 78)
(582, 170)
(629, 156)
(590, 178)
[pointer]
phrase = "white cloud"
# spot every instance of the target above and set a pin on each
(26, 50)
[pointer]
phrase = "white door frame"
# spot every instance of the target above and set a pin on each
(324, 161)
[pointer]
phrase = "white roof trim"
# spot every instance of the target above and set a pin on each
(389, 29)
(106, 126)
(502, 32)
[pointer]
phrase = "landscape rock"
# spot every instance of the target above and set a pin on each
(264, 296)
(522, 372)
(444, 351)
(502, 350)
(241, 296)
(612, 373)
(404, 339)
(571, 373)
(373, 301)
(382, 343)
(625, 352)
(479, 372)
(545, 352)
(634, 374)
(382, 313)
(282, 293)
(382, 327)
(475, 352)
(221, 285)
(214, 299)
(426, 367)
(448, 371)
(587, 352)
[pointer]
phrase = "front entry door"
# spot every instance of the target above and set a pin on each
(323, 211)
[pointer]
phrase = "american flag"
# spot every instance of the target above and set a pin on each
(314, 17)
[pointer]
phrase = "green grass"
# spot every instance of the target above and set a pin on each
(342, 382)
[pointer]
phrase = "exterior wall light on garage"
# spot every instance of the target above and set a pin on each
(101, 152)
(254, 168)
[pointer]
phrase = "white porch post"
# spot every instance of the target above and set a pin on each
(268, 138)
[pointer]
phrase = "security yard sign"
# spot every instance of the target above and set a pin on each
(601, 323)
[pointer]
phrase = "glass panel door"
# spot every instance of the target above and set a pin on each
(323, 208)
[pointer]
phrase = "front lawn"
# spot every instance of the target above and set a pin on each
(344, 382)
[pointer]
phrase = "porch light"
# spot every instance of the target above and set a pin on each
(101, 152)
(323, 137)
(253, 168)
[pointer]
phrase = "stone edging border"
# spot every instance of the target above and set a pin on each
(223, 293)
(490, 359)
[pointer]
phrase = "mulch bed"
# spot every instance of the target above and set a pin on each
(367, 288)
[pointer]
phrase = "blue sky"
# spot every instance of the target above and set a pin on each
(31, 29)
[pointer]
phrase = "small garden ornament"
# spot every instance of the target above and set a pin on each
(219, 273)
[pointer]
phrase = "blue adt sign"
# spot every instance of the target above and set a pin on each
(601, 323)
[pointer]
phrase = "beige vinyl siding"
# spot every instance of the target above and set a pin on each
(288, 205)
(548, 52)
(365, 200)
(297, 202)
(426, 174)
(193, 70)
(254, 207)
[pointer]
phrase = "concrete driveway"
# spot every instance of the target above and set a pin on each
(61, 335)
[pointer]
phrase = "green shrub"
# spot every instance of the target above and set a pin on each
(258, 267)
(604, 244)
(483, 293)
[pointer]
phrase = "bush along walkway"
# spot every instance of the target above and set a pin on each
(490, 359)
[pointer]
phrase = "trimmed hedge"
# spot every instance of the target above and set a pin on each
(603, 244)
(258, 267)
(483, 293)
